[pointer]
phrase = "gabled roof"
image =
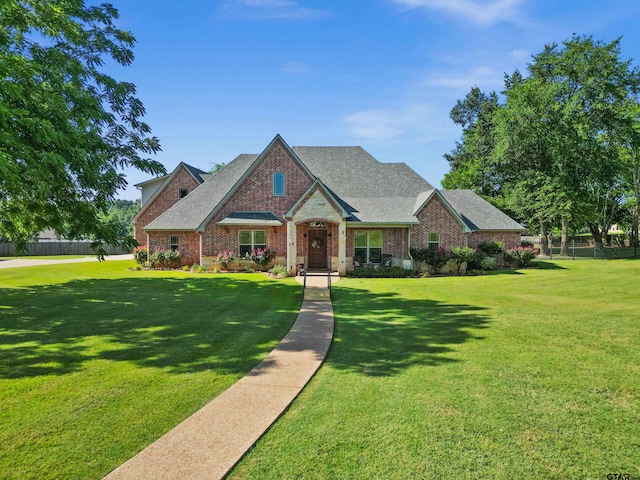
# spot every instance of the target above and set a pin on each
(479, 214)
(372, 191)
(319, 185)
(198, 175)
(428, 196)
(367, 191)
(190, 212)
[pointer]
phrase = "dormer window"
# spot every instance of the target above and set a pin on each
(183, 192)
(278, 184)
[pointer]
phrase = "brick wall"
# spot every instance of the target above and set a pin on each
(436, 218)
(188, 245)
(510, 239)
(168, 196)
(394, 241)
(256, 194)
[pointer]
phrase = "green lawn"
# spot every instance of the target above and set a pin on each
(527, 374)
(97, 361)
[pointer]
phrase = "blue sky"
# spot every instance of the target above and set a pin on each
(220, 78)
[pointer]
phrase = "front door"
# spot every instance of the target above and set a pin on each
(317, 249)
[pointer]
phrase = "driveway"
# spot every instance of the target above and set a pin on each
(27, 262)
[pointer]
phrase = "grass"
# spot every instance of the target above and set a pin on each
(526, 374)
(97, 361)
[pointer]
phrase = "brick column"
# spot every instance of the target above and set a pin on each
(342, 248)
(292, 250)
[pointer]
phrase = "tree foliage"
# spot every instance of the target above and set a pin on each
(558, 151)
(67, 128)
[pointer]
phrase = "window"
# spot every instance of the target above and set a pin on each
(368, 246)
(433, 241)
(183, 192)
(173, 243)
(249, 240)
(278, 184)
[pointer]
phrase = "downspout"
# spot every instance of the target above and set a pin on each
(200, 249)
(409, 246)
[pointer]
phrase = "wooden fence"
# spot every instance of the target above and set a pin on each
(58, 248)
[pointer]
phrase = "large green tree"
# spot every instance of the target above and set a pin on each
(555, 149)
(67, 128)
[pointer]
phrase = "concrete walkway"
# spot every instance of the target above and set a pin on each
(27, 262)
(208, 444)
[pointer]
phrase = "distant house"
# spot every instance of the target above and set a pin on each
(325, 207)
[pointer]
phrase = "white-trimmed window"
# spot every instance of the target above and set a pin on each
(173, 242)
(183, 192)
(249, 240)
(368, 246)
(278, 184)
(433, 240)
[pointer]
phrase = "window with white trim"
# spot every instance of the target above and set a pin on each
(433, 241)
(183, 192)
(368, 246)
(278, 184)
(249, 240)
(173, 243)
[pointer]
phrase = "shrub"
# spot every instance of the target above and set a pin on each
(521, 256)
(225, 258)
(141, 254)
(262, 257)
(419, 255)
(372, 272)
(526, 243)
(462, 255)
(279, 271)
(491, 248)
(487, 263)
(164, 259)
(436, 258)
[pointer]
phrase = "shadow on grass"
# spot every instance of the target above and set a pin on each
(384, 334)
(184, 325)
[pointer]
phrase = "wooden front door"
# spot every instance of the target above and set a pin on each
(317, 249)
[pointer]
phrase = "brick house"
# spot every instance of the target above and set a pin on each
(325, 207)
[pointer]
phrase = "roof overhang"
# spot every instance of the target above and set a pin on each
(262, 219)
(352, 224)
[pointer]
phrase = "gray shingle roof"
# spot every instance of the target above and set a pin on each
(193, 209)
(370, 191)
(477, 213)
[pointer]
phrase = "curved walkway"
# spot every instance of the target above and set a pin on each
(208, 444)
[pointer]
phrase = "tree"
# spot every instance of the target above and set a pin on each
(67, 129)
(119, 214)
(471, 161)
(216, 168)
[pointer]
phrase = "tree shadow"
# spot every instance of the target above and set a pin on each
(180, 324)
(384, 334)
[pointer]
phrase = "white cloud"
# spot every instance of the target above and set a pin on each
(479, 76)
(385, 124)
(481, 12)
(270, 10)
(520, 54)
